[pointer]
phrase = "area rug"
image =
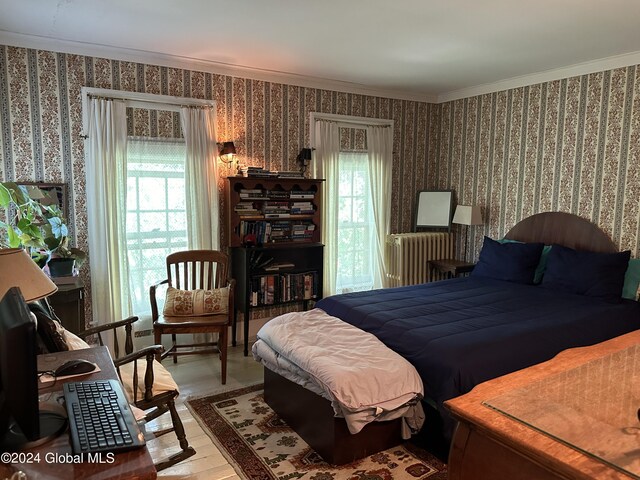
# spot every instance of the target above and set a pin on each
(260, 446)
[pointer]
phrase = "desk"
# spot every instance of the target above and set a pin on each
(490, 445)
(136, 464)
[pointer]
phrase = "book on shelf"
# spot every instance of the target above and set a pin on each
(301, 195)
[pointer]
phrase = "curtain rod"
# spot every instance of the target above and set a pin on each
(134, 103)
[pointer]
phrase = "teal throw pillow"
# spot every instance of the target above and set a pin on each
(631, 280)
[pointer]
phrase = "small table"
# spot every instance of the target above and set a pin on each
(56, 459)
(451, 267)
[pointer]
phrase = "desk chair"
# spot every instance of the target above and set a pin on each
(147, 384)
(199, 300)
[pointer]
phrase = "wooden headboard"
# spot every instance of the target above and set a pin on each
(563, 229)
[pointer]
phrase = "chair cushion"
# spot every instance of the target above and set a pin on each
(190, 322)
(162, 379)
(74, 342)
(193, 303)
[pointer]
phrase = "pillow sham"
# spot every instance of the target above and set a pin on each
(511, 261)
(632, 280)
(196, 303)
(586, 273)
(542, 264)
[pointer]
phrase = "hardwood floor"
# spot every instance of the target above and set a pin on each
(199, 375)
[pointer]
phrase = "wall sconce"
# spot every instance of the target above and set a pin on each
(303, 159)
(228, 153)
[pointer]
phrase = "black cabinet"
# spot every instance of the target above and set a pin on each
(68, 304)
(274, 275)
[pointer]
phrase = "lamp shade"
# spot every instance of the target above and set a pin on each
(18, 270)
(228, 148)
(304, 155)
(468, 215)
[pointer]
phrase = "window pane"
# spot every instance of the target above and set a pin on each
(355, 243)
(156, 216)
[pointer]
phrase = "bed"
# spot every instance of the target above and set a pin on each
(461, 332)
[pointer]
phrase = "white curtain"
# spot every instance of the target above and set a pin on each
(106, 171)
(380, 150)
(326, 155)
(201, 178)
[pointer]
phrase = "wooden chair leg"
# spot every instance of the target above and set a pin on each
(157, 338)
(186, 451)
(175, 349)
(222, 346)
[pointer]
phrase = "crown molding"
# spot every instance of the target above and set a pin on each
(188, 63)
(175, 61)
(600, 65)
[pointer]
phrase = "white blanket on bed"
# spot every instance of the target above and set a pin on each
(364, 380)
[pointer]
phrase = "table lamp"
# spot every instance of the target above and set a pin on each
(467, 215)
(18, 270)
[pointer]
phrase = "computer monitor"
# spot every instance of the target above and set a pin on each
(21, 421)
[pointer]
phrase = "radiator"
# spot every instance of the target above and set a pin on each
(407, 256)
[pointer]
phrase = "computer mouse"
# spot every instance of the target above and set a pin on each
(75, 367)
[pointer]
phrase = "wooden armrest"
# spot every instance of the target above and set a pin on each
(152, 298)
(144, 352)
(149, 354)
(107, 326)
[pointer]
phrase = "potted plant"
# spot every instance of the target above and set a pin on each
(38, 227)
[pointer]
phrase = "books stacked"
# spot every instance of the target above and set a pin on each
(301, 194)
(278, 194)
(302, 208)
(276, 209)
(246, 209)
(302, 232)
(280, 232)
(260, 172)
(252, 194)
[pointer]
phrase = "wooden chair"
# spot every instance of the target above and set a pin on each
(195, 270)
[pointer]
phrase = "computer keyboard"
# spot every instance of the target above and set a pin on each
(100, 419)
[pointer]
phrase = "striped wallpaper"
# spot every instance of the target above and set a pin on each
(41, 122)
(571, 145)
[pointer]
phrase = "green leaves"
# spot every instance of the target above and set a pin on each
(41, 229)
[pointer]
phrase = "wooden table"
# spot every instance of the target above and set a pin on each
(55, 456)
(451, 267)
(490, 445)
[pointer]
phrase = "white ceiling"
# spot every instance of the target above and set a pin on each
(432, 50)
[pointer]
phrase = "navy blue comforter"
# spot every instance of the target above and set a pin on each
(461, 332)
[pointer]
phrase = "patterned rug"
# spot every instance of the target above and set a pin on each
(260, 446)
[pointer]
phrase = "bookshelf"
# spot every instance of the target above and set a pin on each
(274, 237)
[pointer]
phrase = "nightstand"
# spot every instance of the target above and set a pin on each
(451, 267)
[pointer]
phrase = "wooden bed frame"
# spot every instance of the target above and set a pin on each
(312, 416)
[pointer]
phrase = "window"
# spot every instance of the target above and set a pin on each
(356, 228)
(156, 215)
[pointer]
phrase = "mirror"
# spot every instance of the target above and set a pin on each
(433, 209)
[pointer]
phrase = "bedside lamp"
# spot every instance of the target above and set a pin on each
(18, 270)
(467, 215)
